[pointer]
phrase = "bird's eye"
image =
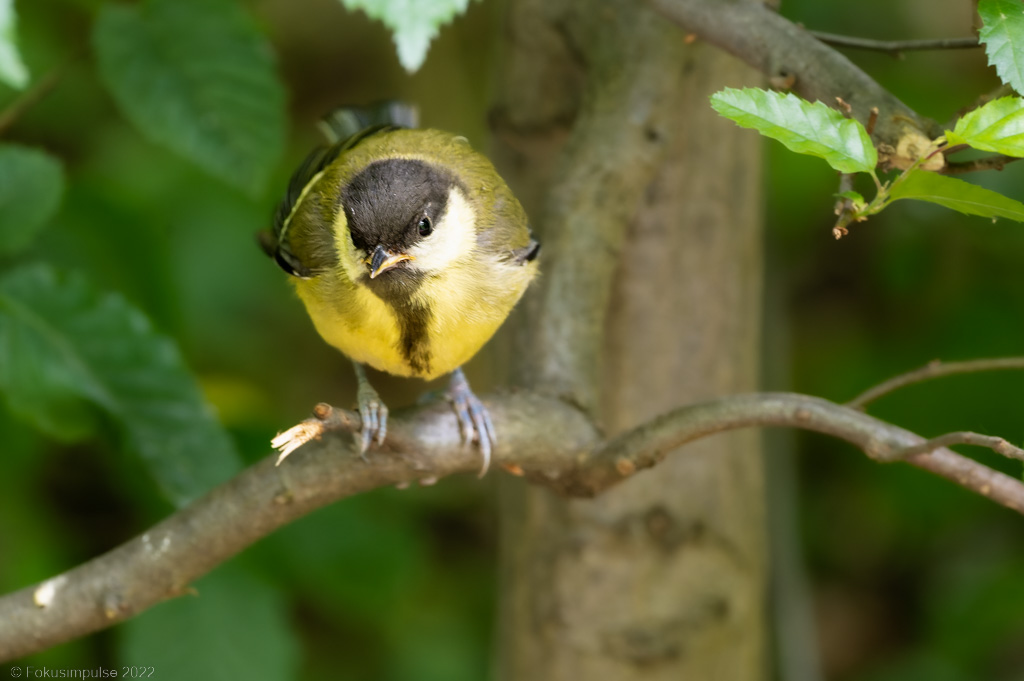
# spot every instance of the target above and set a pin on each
(425, 226)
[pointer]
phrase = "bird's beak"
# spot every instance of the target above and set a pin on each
(383, 260)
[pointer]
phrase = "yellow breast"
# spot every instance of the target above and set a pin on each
(354, 321)
(465, 308)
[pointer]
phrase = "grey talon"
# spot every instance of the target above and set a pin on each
(373, 412)
(474, 421)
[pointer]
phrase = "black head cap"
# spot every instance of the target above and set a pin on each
(395, 202)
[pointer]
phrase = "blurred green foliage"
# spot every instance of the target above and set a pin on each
(12, 68)
(157, 220)
(915, 579)
(29, 196)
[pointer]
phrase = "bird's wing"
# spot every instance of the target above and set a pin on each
(529, 252)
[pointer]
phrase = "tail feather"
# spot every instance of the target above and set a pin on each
(342, 124)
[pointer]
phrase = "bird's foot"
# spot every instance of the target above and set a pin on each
(374, 415)
(474, 421)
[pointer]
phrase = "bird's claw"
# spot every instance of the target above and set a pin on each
(374, 414)
(475, 423)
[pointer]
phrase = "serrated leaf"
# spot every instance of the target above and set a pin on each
(805, 128)
(1002, 32)
(997, 126)
(196, 76)
(62, 341)
(413, 23)
(31, 184)
(235, 627)
(12, 68)
(956, 194)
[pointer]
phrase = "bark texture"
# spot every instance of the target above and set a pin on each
(604, 122)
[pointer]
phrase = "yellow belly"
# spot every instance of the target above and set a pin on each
(463, 317)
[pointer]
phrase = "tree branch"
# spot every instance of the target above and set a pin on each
(783, 50)
(643, 447)
(543, 434)
(616, 144)
(895, 47)
(553, 443)
(934, 369)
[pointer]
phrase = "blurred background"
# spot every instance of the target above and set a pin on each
(905, 577)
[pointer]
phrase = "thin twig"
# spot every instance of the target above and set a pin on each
(963, 437)
(895, 47)
(872, 121)
(30, 98)
(844, 207)
(934, 369)
(950, 149)
(995, 162)
(1002, 90)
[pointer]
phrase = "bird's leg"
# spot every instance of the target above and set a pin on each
(372, 410)
(474, 421)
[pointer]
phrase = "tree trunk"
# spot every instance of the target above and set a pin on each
(664, 576)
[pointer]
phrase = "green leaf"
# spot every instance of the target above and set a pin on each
(62, 342)
(805, 128)
(12, 68)
(956, 194)
(31, 184)
(414, 23)
(235, 628)
(1002, 32)
(997, 126)
(196, 76)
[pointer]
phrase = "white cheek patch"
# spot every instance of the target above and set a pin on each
(453, 237)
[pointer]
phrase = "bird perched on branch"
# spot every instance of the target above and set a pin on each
(408, 251)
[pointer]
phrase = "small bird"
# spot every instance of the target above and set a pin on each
(408, 251)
